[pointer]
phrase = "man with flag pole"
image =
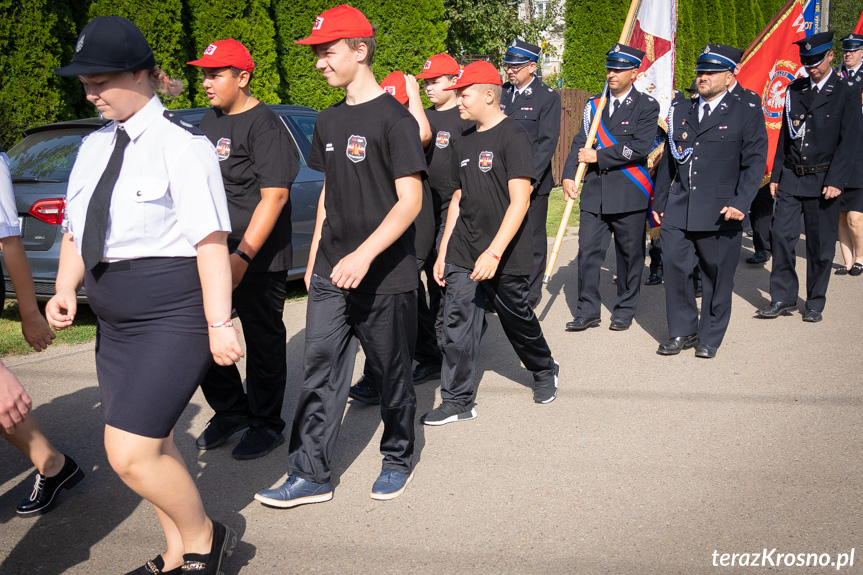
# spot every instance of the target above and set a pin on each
(616, 192)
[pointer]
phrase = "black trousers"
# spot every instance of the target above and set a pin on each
(760, 215)
(594, 234)
(821, 224)
(718, 254)
(654, 250)
(260, 303)
(464, 313)
(537, 215)
(385, 325)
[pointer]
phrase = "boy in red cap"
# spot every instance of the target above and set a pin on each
(487, 250)
(362, 275)
(258, 164)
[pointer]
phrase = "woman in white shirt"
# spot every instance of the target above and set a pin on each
(145, 232)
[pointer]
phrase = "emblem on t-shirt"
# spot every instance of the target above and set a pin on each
(442, 140)
(356, 151)
(223, 148)
(329, 147)
(485, 160)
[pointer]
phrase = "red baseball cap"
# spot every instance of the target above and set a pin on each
(340, 22)
(224, 53)
(439, 65)
(481, 72)
(395, 85)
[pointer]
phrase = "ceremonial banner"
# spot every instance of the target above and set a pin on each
(654, 33)
(812, 15)
(859, 28)
(770, 63)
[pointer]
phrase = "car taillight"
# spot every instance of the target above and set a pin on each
(49, 210)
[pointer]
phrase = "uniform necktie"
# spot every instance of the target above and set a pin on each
(96, 225)
(616, 106)
(706, 109)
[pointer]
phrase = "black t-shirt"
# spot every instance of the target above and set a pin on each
(255, 151)
(447, 127)
(362, 149)
(484, 163)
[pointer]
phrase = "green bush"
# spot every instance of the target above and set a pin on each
(593, 27)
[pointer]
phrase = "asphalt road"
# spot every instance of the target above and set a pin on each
(643, 464)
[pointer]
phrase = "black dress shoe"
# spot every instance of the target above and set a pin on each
(759, 257)
(776, 308)
(45, 489)
(257, 442)
(619, 324)
(812, 316)
(365, 392)
(219, 429)
(224, 540)
(155, 567)
(654, 279)
(705, 351)
(582, 323)
(841, 271)
(423, 373)
(856, 270)
(675, 345)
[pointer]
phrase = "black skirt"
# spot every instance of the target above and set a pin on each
(851, 200)
(152, 346)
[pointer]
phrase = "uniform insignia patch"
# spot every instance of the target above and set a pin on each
(527, 109)
(628, 101)
(808, 46)
(318, 23)
(684, 135)
(679, 149)
(329, 147)
(442, 140)
(751, 105)
(624, 123)
(485, 161)
(528, 91)
(223, 148)
(796, 123)
(80, 43)
(627, 152)
(723, 127)
(356, 150)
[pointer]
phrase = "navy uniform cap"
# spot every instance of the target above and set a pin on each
(852, 42)
(718, 58)
(623, 57)
(814, 49)
(109, 44)
(521, 52)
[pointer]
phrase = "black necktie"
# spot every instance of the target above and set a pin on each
(616, 106)
(706, 109)
(814, 92)
(96, 225)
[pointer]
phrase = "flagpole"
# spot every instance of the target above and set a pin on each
(591, 136)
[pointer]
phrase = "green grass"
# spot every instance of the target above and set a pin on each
(12, 342)
(556, 205)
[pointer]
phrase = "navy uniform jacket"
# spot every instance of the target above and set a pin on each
(745, 94)
(853, 79)
(607, 189)
(725, 167)
(833, 126)
(538, 112)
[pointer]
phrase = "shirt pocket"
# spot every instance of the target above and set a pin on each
(140, 209)
(722, 145)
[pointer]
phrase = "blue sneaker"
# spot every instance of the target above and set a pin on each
(390, 484)
(295, 491)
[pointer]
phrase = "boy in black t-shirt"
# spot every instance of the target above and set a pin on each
(362, 269)
(259, 164)
(487, 250)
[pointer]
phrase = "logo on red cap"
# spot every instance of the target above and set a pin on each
(485, 161)
(318, 23)
(210, 49)
(356, 151)
(391, 90)
(427, 65)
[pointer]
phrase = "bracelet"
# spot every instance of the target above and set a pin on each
(243, 256)
(227, 323)
(489, 252)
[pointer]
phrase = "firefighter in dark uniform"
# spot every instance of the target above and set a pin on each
(537, 108)
(851, 200)
(713, 162)
(616, 190)
(814, 161)
(852, 59)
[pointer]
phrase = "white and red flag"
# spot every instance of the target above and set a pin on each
(654, 33)
(770, 63)
(858, 29)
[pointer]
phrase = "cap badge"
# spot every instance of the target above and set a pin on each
(617, 47)
(808, 46)
(80, 43)
(210, 49)
(318, 23)
(427, 65)
(706, 50)
(514, 43)
(460, 72)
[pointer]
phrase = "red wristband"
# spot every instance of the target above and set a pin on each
(489, 252)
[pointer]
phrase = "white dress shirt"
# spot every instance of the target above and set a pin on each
(8, 213)
(712, 103)
(614, 99)
(169, 195)
(516, 92)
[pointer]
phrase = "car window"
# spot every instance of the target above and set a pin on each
(306, 124)
(46, 155)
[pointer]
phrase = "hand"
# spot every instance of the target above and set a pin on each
(732, 213)
(570, 189)
(238, 270)
(61, 309)
(830, 192)
(412, 87)
(531, 189)
(586, 156)
(439, 271)
(307, 277)
(484, 268)
(224, 345)
(350, 271)
(36, 331)
(774, 188)
(657, 217)
(15, 404)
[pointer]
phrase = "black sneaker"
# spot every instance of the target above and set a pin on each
(545, 392)
(219, 429)
(224, 540)
(45, 489)
(257, 442)
(365, 392)
(448, 412)
(425, 372)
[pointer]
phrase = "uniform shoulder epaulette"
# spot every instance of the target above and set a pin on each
(175, 119)
(550, 89)
(799, 81)
(650, 98)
